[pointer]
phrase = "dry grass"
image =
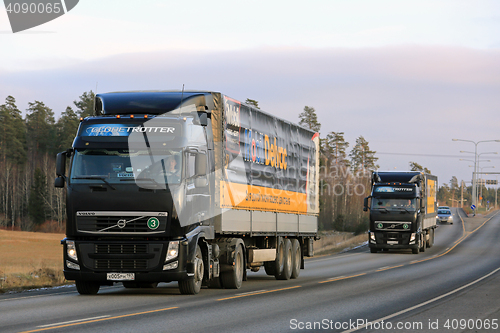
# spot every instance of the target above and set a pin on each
(334, 242)
(30, 260)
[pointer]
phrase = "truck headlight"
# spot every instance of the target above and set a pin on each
(412, 237)
(173, 250)
(71, 250)
(372, 236)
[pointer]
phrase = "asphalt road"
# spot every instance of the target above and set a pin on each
(452, 287)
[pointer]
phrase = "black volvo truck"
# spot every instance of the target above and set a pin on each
(402, 210)
(194, 187)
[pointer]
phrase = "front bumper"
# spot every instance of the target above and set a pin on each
(146, 259)
(392, 240)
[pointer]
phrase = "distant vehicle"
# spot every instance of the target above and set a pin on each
(443, 207)
(444, 215)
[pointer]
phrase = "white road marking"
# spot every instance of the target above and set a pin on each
(74, 321)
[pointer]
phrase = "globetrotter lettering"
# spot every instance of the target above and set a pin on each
(115, 131)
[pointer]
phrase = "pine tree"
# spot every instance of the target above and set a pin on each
(414, 166)
(253, 103)
(85, 106)
(67, 127)
(40, 124)
(309, 119)
(362, 158)
(335, 149)
(12, 133)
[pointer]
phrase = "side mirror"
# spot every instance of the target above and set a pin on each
(200, 165)
(59, 182)
(365, 204)
(61, 164)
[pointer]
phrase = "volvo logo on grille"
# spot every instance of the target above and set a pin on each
(121, 224)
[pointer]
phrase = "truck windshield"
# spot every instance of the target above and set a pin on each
(115, 166)
(393, 203)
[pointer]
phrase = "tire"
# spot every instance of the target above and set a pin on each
(286, 273)
(296, 258)
(373, 250)
(192, 286)
(234, 278)
(430, 242)
(86, 287)
(423, 242)
(279, 262)
(415, 251)
(270, 268)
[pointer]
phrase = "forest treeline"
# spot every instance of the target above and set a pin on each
(29, 144)
(28, 147)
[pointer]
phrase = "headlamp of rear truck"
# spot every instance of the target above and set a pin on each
(172, 265)
(72, 265)
(412, 237)
(372, 236)
(71, 250)
(173, 250)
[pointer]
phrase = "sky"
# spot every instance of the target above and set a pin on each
(409, 76)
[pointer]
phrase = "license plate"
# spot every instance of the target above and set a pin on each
(121, 276)
(392, 242)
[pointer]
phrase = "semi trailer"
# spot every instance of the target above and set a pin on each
(403, 210)
(186, 186)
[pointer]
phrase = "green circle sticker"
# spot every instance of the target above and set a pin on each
(380, 225)
(405, 226)
(153, 223)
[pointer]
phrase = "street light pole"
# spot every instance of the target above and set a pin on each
(474, 191)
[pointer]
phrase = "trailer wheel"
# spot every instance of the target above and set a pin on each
(296, 258)
(192, 286)
(86, 287)
(233, 278)
(279, 263)
(270, 268)
(286, 273)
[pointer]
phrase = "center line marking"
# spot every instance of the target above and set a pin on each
(74, 321)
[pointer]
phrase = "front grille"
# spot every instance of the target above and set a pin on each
(392, 225)
(121, 222)
(121, 264)
(121, 248)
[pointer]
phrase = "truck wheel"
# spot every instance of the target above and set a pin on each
(286, 273)
(296, 258)
(192, 286)
(270, 268)
(279, 263)
(86, 287)
(423, 242)
(373, 250)
(233, 278)
(430, 242)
